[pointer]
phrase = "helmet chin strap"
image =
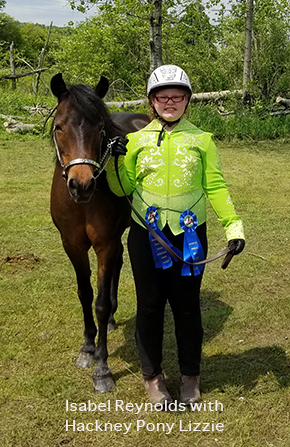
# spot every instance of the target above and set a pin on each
(166, 123)
(162, 131)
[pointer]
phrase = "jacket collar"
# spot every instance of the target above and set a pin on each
(183, 125)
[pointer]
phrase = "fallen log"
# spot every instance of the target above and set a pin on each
(121, 104)
(11, 117)
(283, 101)
(215, 96)
(280, 112)
(17, 126)
(196, 97)
(35, 110)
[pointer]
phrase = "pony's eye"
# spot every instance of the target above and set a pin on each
(56, 127)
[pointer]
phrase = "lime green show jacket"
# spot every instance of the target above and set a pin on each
(175, 176)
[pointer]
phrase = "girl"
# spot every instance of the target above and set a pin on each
(170, 166)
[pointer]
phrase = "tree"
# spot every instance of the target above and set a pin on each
(9, 32)
(155, 34)
(269, 60)
(189, 40)
(248, 47)
(112, 47)
(33, 39)
(179, 32)
(153, 9)
(116, 44)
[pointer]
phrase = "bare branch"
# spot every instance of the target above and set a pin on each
(23, 74)
(41, 58)
(136, 17)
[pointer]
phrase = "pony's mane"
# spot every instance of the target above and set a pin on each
(86, 102)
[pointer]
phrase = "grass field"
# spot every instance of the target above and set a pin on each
(246, 314)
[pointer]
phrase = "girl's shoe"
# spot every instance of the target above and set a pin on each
(157, 391)
(189, 389)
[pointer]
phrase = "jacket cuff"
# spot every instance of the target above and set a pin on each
(235, 230)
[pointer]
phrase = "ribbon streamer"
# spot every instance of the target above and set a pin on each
(192, 248)
(161, 257)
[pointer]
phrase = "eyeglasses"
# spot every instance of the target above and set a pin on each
(165, 99)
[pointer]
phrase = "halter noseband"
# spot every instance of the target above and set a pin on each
(98, 166)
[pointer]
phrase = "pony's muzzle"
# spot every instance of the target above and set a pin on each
(81, 191)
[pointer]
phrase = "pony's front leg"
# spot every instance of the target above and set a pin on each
(80, 260)
(107, 262)
(114, 289)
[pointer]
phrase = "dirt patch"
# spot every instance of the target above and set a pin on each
(26, 261)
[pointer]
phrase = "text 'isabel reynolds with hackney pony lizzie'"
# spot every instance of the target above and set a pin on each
(170, 167)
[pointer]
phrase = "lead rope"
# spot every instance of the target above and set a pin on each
(225, 251)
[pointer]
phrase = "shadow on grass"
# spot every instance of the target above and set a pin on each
(243, 369)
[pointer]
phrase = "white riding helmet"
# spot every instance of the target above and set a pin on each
(168, 76)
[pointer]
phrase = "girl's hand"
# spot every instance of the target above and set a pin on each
(118, 146)
(236, 246)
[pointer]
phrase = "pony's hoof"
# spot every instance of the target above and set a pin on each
(103, 384)
(85, 360)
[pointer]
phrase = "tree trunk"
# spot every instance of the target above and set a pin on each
(12, 66)
(40, 62)
(155, 34)
(248, 49)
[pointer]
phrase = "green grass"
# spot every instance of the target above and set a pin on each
(246, 314)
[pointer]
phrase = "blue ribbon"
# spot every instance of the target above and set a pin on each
(192, 248)
(161, 257)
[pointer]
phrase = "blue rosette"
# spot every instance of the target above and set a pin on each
(161, 257)
(192, 248)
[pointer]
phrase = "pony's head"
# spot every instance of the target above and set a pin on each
(80, 129)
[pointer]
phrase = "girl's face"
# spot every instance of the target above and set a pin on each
(170, 103)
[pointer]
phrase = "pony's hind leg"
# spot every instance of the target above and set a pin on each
(80, 261)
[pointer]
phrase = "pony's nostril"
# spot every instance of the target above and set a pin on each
(90, 185)
(72, 183)
(73, 186)
(81, 192)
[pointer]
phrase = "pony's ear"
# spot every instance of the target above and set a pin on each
(57, 85)
(102, 87)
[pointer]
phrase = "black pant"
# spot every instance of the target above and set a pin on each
(153, 288)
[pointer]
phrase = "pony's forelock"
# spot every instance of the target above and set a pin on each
(90, 106)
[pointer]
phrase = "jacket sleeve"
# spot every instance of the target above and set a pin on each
(126, 168)
(215, 188)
